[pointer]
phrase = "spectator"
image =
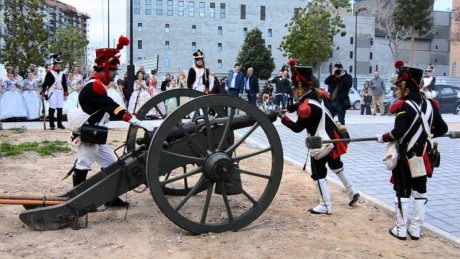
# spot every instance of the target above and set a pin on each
(235, 82)
(378, 92)
(366, 98)
(123, 86)
(339, 84)
(282, 85)
(252, 86)
(165, 82)
(31, 97)
(153, 82)
(223, 84)
(146, 75)
(182, 80)
(140, 94)
(214, 85)
(12, 104)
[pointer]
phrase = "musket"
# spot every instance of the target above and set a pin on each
(43, 112)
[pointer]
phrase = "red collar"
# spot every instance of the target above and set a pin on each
(198, 66)
(99, 77)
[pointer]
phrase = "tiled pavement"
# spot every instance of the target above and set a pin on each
(363, 163)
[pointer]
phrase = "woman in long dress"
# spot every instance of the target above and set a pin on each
(140, 94)
(171, 103)
(12, 104)
(154, 91)
(114, 93)
(73, 87)
(31, 97)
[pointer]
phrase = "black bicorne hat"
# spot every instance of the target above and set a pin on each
(409, 76)
(56, 58)
(198, 55)
(302, 75)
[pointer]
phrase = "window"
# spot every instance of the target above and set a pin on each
(262, 13)
(372, 41)
(166, 62)
(219, 63)
(351, 40)
(350, 69)
(194, 29)
(139, 44)
(243, 12)
(212, 10)
(202, 9)
(137, 6)
(194, 46)
(166, 27)
(159, 7)
(269, 32)
(148, 7)
(222, 11)
(351, 54)
(170, 8)
(371, 55)
(167, 45)
(219, 30)
(436, 47)
(435, 60)
(219, 47)
(269, 48)
(181, 8)
(245, 31)
(139, 27)
(370, 69)
(191, 8)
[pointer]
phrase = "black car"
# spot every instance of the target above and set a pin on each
(448, 97)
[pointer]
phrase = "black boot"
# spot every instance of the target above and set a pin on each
(51, 117)
(59, 118)
(117, 202)
(79, 176)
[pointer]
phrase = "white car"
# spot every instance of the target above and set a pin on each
(355, 99)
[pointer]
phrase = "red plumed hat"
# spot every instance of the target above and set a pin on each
(108, 58)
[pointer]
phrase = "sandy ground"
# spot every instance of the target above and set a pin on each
(285, 230)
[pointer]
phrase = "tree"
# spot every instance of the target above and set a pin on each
(416, 16)
(383, 13)
(255, 54)
(71, 42)
(25, 41)
(312, 30)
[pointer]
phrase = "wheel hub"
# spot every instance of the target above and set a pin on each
(218, 166)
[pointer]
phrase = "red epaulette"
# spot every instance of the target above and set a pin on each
(396, 107)
(304, 110)
(99, 88)
(435, 103)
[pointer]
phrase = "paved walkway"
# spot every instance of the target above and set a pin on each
(364, 163)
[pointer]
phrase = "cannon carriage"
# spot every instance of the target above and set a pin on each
(193, 163)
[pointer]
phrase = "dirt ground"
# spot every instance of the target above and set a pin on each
(285, 230)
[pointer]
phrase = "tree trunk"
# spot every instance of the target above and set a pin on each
(412, 43)
(318, 73)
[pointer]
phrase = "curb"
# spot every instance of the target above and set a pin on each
(427, 228)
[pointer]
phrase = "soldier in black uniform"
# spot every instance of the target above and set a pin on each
(314, 116)
(94, 100)
(55, 91)
(417, 121)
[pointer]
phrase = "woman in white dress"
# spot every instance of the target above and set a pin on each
(139, 89)
(12, 105)
(171, 103)
(114, 93)
(73, 87)
(31, 97)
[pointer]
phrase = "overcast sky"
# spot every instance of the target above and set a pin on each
(97, 10)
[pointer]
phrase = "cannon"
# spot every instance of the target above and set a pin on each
(194, 164)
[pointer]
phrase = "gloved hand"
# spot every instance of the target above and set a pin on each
(280, 114)
(139, 123)
(379, 138)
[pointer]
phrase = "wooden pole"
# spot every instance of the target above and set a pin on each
(29, 202)
(40, 198)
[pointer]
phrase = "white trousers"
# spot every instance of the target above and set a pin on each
(56, 100)
(87, 154)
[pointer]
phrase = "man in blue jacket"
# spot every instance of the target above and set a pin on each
(252, 86)
(235, 82)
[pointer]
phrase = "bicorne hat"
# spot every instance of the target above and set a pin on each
(56, 58)
(429, 68)
(198, 55)
(408, 77)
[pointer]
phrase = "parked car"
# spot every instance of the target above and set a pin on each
(355, 99)
(448, 97)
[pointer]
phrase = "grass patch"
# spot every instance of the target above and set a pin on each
(19, 130)
(3, 135)
(44, 148)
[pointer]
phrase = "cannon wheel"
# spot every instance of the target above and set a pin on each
(214, 161)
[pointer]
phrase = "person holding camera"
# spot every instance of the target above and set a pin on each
(339, 84)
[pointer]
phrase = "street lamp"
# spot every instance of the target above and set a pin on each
(355, 79)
